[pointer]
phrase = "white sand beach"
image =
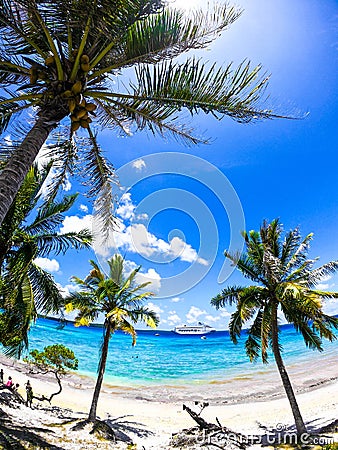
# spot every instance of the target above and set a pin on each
(257, 405)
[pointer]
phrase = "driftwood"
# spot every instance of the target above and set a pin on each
(208, 435)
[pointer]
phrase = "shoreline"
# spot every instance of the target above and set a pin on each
(260, 386)
(159, 410)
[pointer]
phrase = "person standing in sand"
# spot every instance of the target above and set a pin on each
(2, 376)
(29, 393)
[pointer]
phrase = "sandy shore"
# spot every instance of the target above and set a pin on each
(241, 404)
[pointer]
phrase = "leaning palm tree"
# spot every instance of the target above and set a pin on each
(286, 282)
(26, 289)
(120, 299)
(64, 60)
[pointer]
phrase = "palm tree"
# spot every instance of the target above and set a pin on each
(120, 299)
(64, 59)
(285, 281)
(26, 289)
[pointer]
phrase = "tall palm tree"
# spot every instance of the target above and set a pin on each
(64, 59)
(26, 289)
(120, 299)
(285, 281)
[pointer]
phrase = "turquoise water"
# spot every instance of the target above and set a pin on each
(167, 358)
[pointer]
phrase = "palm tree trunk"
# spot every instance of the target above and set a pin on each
(102, 368)
(300, 426)
(22, 158)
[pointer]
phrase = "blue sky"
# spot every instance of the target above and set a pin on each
(187, 205)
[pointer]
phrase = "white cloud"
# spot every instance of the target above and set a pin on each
(51, 265)
(142, 216)
(154, 308)
(150, 276)
(330, 306)
(126, 208)
(225, 313)
(44, 157)
(194, 313)
(185, 251)
(83, 208)
(139, 164)
(173, 318)
(176, 299)
(76, 224)
(210, 318)
(67, 185)
(137, 239)
(8, 140)
(322, 286)
(67, 289)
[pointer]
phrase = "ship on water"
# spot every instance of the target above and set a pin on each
(199, 329)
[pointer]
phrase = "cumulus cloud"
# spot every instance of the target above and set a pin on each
(324, 286)
(155, 308)
(83, 208)
(139, 164)
(76, 224)
(150, 276)
(330, 306)
(177, 299)
(135, 238)
(173, 318)
(126, 208)
(225, 313)
(210, 318)
(194, 313)
(51, 265)
(67, 289)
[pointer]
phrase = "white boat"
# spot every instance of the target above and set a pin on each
(199, 329)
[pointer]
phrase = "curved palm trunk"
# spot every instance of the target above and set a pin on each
(300, 426)
(18, 165)
(102, 367)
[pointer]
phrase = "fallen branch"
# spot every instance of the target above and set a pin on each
(208, 435)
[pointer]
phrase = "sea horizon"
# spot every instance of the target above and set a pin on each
(162, 357)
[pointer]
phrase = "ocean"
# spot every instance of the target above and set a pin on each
(168, 358)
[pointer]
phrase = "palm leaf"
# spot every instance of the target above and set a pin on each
(50, 215)
(47, 297)
(229, 296)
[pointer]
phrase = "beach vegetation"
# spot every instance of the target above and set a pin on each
(284, 287)
(56, 359)
(119, 298)
(29, 231)
(64, 68)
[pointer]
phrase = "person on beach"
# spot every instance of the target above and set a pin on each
(10, 383)
(29, 393)
(16, 387)
(1, 376)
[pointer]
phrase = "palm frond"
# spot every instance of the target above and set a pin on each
(60, 243)
(229, 296)
(228, 91)
(246, 265)
(50, 216)
(167, 35)
(299, 256)
(47, 296)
